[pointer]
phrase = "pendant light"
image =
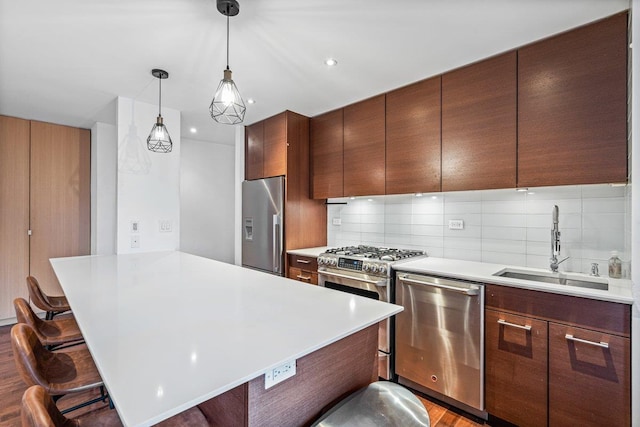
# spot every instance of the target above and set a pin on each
(227, 106)
(159, 140)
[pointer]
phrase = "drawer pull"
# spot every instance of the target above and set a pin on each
(303, 261)
(570, 337)
(301, 277)
(513, 325)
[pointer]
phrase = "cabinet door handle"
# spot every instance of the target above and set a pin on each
(301, 277)
(570, 337)
(302, 261)
(513, 325)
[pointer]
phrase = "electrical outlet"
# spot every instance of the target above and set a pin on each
(165, 226)
(337, 221)
(456, 224)
(135, 241)
(279, 374)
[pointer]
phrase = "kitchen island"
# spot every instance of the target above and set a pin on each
(169, 331)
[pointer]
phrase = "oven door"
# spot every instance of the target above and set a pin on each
(363, 285)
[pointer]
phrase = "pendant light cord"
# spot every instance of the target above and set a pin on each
(160, 98)
(227, 37)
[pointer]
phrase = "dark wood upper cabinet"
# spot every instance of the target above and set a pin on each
(327, 155)
(572, 106)
(413, 138)
(275, 145)
(479, 125)
(254, 146)
(364, 147)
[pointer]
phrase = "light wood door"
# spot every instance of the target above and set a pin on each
(572, 107)
(589, 382)
(413, 138)
(254, 151)
(60, 198)
(275, 146)
(327, 157)
(479, 125)
(14, 209)
(516, 368)
(364, 147)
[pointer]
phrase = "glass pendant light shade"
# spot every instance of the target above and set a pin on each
(159, 140)
(227, 106)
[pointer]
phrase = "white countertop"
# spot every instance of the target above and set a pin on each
(619, 289)
(312, 252)
(169, 330)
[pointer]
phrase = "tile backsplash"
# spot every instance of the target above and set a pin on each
(499, 226)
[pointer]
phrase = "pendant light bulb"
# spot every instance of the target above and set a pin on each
(159, 140)
(227, 106)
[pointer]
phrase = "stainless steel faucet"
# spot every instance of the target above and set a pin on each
(555, 241)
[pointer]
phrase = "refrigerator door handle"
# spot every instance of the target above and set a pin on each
(277, 256)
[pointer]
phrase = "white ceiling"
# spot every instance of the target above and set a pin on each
(64, 61)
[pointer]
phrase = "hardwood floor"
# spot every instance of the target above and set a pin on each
(12, 387)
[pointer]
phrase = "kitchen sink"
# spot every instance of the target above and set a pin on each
(556, 278)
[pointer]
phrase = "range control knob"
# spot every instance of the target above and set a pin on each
(366, 267)
(333, 262)
(373, 268)
(320, 260)
(382, 269)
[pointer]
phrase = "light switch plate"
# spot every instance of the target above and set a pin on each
(135, 226)
(456, 224)
(165, 226)
(337, 221)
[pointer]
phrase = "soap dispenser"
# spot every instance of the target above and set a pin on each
(615, 266)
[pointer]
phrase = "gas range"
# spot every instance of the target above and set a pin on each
(367, 259)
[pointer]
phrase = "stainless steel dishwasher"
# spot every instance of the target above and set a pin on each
(440, 339)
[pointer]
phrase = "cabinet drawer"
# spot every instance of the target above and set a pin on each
(589, 377)
(305, 276)
(303, 262)
(516, 368)
(604, 316)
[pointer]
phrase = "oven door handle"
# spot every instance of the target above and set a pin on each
(382, 282)
(472, 290)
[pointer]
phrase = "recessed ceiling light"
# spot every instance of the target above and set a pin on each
(251, 101)
(331, 62)
(193, 130)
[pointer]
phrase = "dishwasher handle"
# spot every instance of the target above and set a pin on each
(471, 291)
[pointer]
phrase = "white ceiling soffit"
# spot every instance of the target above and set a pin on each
(64, 61)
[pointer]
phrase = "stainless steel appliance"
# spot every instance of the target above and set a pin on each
(262, 207)
(440, 339)
(366, 271)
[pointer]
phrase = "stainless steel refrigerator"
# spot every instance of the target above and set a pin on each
(262, 222)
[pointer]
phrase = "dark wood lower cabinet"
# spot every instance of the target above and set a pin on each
(303, 268)
(516, 368)
(556, 360)
(589, 378)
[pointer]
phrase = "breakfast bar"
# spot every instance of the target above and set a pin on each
(169, 331)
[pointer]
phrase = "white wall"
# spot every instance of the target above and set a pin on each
(207, 199)
(500, 226)
(239, 144)
(104, 154)
(148, 187)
